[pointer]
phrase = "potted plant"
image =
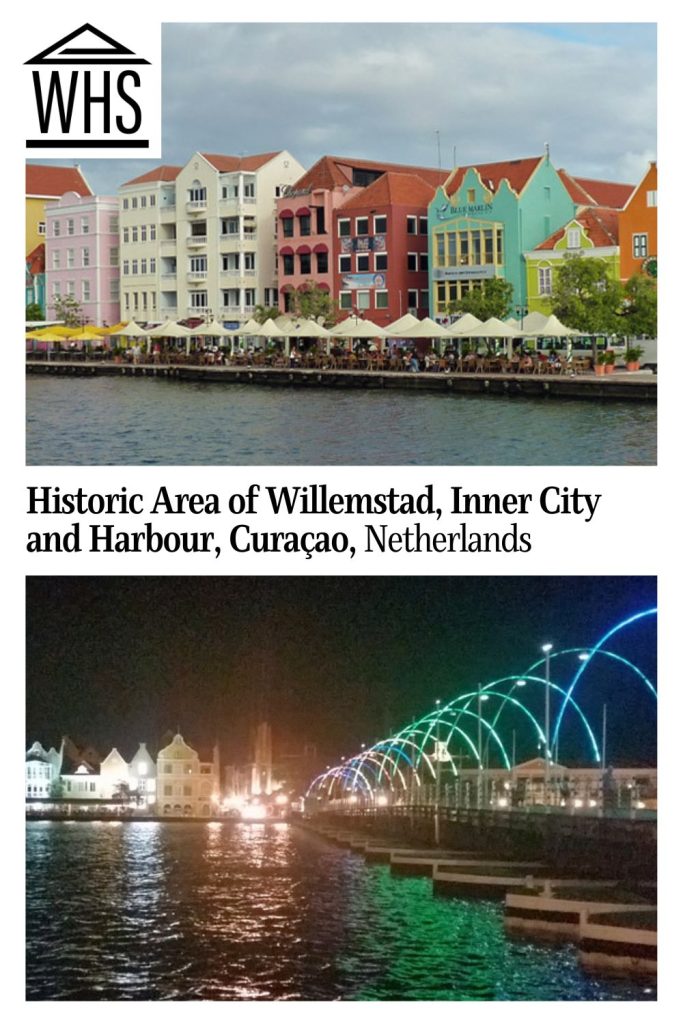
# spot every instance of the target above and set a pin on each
(633, 357)
(601, 364)
(610, 360)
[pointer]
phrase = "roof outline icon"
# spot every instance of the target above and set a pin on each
(113, 53)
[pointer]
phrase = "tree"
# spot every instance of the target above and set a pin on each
(314, 303)
(492, 299)
(34, 311)
(68, 309)
(263, 313)
(585, 297)
(639, 311)
(122, 793)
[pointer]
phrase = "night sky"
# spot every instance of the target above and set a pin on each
(334, 661)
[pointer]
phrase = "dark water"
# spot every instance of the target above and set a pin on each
(244, 912)
(115, 421)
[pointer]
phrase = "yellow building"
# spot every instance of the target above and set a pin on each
(45, 185)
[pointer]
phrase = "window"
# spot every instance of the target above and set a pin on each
(85, 291)
(152, 200)
(41, 227)
(362, 263)
(363, 300)
(127, 301)
(143, 266)
(305, 262)
(424, 261)
(652, 198)
(56, 229)
(381, 300)
(424, 298)
(187, 790)
(56, 289)
(412, 261)
(114, 290)
(380, 225)
(344, 264)
(381, 261)
(168, 788)
(249, 297)
(126, 236)
(113, 224)
(231, 226)
(639, 246)
(153, 265)
(126, 268)
(69, 226)
(125, 204)
(545, 281)
(85, 257)
(152, 232)
(56, 259)
(250, 261)
(471, 195)
(573, 238)
(323, 264)
(197, 193)
(287, 265)
(320, 220)
(345, 300)
(143, 201)
(143, 233)
(412, 298)
(411, 225)
(344, 227)
(288, 227)
(71, 288)
(249, 190)
(134, 267)
(85, 225)
(423, 225)
(199, 300)
(69, 259)
(229, 192)
(134, 203)
(305, 225)
(134, 234)
(362, 226)
(114, 256)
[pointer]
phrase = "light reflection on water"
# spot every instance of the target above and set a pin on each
(114, 421)
(254, 911)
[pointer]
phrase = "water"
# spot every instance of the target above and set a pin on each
(115, 421)
(152, 910)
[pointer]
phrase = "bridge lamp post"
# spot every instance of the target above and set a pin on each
(437, 830)
(547, 648)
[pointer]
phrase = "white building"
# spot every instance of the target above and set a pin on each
(142, 774)
(200, 240)
(42, 770)
(186, 786)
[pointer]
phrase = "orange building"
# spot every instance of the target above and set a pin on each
(638, 229)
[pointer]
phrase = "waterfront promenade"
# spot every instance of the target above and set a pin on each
(621, 385)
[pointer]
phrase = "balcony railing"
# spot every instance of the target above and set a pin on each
(197, 275)
(196, 240)
(195, 205)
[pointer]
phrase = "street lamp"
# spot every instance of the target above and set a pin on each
(547, 648)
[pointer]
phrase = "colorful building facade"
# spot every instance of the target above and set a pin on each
(309, 244)
(45, 185)
(594, 232)
(35, 277)
(82, 255)
(483, 220)
(638, 228)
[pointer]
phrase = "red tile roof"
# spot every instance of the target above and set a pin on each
(589, 192)
(517, 173)
(331, 171)
(393, 189)
(163, 173)
(600, 223)
(35, 260)
(239, 163)
(53, 182)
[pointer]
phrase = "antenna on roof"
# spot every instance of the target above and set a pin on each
(546, 146)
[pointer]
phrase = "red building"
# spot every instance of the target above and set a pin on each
(309, 244)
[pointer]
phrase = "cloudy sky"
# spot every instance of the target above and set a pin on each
(381, 91)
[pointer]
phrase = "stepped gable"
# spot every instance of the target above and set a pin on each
(393, 189)
(163, 173)
(224, 164)
(52, 182)
(334, 171)
(601, 224)
(517, 173)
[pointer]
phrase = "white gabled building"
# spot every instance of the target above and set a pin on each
(42, 770)
(200, 240)
(186, 786)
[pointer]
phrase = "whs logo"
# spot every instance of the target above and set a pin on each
(89, 92)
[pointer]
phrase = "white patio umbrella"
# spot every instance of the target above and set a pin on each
(212, 330)
(426, 328)
(554, 328)
(495, 328)
(356, 327)
(465, 327)
(171, 329)
(401, 327)
(268, 329)
(130, 330)
(534, 323)
(249, 328)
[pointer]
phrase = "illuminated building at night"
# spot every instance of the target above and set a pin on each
(186, 786)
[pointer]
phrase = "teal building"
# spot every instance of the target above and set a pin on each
(483, 219)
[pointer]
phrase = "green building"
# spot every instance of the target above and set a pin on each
(483, 220)
(594, 232)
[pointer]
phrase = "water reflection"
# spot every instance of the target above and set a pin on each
(113, 421)
(241, 911)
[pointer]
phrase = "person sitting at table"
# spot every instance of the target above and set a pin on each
(526, 363)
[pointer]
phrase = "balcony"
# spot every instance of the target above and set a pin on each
(196, 206)
(166, 243)
(197, 275)
(168, 313)
(196, 241)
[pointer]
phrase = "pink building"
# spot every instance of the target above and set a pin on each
(82, 255)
